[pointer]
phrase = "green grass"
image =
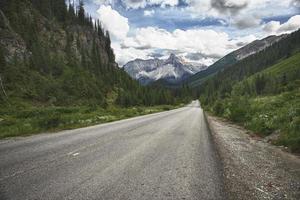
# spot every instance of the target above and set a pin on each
(266, 115)
(281, 113)
(28, 120)
(274, 110)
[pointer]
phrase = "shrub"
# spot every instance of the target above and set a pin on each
(238, 109)
(218, 108)
(259, 123)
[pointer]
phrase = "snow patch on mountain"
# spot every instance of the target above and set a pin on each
(172, 70)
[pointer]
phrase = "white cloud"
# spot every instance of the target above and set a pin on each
(101, 2)
(246, 22)
(291, 25)
(296, 3)
(123, 55)
(163, 3)
(209, 43)
(116, 24)
(135, 4)
(271, 27)
(240, 13)
(149, 13)
(274, 27)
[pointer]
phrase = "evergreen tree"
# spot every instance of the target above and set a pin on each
(60, 10)
(108, 48)
(260, 83)
(71, 12)
(81, 13)
(2, 60)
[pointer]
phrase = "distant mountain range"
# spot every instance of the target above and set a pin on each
(232, 58)
(172, 70)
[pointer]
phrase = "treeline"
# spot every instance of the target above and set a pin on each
(153, 95)
(69, 60)
(50, 9)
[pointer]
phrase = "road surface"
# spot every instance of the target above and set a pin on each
(166, 155)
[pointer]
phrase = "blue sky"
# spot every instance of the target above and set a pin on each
(200, 31)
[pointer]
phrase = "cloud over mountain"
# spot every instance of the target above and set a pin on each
(200, 31)
(275, 27)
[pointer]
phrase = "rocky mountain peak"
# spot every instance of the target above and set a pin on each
(171, 70)
(173, 56)
(173, 59)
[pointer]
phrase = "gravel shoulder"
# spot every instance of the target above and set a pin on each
(253, 168)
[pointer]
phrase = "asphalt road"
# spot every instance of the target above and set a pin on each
(166, 155)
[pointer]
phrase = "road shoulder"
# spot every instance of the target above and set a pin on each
(254, 169)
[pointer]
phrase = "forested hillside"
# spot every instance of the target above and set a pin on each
(55, 54)
(232, 58)
(262, 92)
(57, 68)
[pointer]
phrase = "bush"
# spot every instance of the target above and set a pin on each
(260, 123)
(218, 108)
(239, 109)
(50, 122)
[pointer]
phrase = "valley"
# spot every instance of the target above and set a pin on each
(149, 99)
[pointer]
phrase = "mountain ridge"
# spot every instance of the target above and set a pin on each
(232, 58)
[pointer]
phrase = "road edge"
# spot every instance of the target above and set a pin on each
(218, 156)
(270, 173)
(231, 192)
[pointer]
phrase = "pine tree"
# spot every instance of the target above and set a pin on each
(2, 60)
(60, 10)
(71, 12)
(108, 48)
(45, 7)
(81, 13)
(3, 5)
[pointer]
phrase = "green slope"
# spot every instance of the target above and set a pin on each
(261, 92)
(58, 71)
(289, 66)
(231, 59)
(52, 55)
(202, 76)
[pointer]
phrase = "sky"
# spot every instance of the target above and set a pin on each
(200, 31)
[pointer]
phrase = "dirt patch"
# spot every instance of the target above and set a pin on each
(253, 168)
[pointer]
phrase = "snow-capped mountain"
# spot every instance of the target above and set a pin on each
(172, 70)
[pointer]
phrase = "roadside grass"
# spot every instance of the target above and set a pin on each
(268, 103)
(277, 113)
(265, 115)
(30, 120)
